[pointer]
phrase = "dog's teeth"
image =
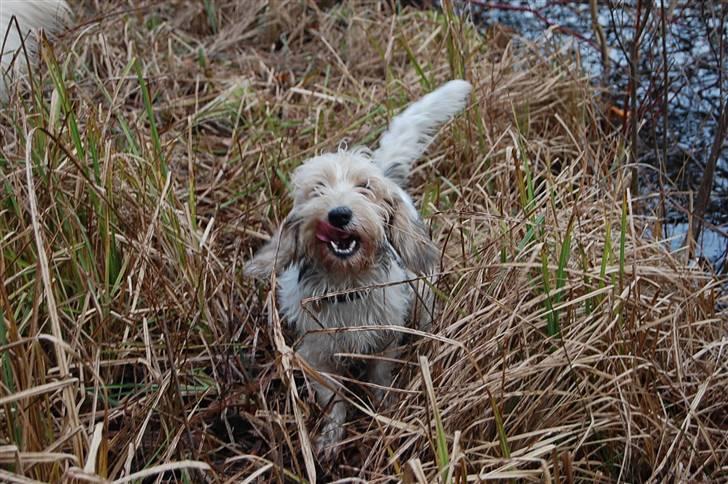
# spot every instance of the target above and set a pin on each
(348, 250)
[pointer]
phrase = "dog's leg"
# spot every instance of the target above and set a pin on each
(380, 373)
(332, 404)
(335, 416)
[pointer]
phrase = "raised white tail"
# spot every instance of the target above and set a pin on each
(32, 15)
(411, 131)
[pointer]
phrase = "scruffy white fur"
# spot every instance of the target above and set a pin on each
(32, 16)
(369, 271)
(410, 133)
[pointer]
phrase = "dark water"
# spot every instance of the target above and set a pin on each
(697, 81)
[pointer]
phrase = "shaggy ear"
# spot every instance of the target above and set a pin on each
(409, 238)
(276, 254)
(410, 132)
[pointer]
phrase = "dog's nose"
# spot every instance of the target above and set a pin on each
(340, 216)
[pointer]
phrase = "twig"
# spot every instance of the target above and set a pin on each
(536, 13)
(599, 34)
(706, 186)
(665, 108)
(634, 80)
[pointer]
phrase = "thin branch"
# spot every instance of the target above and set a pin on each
(536, 13)
(706, 186)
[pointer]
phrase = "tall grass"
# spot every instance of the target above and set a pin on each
(153, 157)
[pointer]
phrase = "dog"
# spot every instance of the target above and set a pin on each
(353, 252)
(51, 16)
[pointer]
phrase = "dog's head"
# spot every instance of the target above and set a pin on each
(350, 208)
(346, 213)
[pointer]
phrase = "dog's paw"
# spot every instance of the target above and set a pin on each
(382, 398)
(327, 442)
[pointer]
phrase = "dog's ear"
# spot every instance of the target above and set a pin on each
(409, 237)
(276, 254)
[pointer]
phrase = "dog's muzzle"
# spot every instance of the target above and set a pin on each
(341, 243)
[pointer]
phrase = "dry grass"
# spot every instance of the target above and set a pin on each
(569, 346)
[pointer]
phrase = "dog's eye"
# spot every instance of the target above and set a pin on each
(364, 186)
(317, 188)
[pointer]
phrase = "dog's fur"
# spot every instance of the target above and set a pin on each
(383, 282)
(32, 16)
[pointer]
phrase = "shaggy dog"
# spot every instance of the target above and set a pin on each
(32, 16)
(353, 253)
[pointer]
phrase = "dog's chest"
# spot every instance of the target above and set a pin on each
(307, 304)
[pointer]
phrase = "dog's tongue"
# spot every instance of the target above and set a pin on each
(326, 232)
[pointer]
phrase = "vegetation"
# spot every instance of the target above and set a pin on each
(149, 158)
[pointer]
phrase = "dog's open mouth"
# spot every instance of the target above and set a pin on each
(341, 243)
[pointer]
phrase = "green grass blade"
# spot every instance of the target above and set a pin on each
(622, 240)
(441, 451)
(146, 97)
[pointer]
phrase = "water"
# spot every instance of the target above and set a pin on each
(697, 81)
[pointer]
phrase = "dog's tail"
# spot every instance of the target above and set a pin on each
(32, 15)
(411, 131)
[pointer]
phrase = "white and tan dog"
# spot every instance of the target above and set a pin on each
(353, 252)
(32, 16)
